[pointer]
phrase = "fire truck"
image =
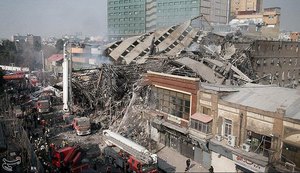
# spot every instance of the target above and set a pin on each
(68, 159)
(128, 155)
(82, 125)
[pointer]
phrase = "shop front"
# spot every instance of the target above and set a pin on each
(243, 164)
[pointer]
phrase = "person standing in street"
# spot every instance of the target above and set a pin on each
(188, 164)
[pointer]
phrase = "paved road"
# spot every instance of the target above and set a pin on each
(172, 161)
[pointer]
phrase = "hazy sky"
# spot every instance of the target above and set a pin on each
(290, 13)
(58, 17)
(52, 17)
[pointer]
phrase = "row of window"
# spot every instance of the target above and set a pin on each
(207, 127)
(171, 102)
(126, 13)
(278, 61)
(279, 47)
(126, 19)
(124, 1)
(141, 25)
(202, 127)
(136, 31)
(126, 7)
(169, 10)
(177, 3)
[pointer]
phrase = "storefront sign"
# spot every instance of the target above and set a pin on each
(248, 164)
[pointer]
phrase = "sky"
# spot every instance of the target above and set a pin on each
(52, 17)
(290, 13)
(58, 17)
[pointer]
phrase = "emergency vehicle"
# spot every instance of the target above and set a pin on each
(128, 155)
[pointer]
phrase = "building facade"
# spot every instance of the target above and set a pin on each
(294, 36)
(238, 6)
(276, 62)
(126, 18)
(134, 17)
(253, 128)
(176, 105)
(34, 42)
(85, 57)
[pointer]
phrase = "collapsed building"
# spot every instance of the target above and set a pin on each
(230, 56)
(187, 88)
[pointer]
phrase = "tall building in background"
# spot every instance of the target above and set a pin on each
(134, 17)
(126, 18)
(246, 6)
(30, 40)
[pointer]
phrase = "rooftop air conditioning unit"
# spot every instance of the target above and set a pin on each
(246, 147)
(219, 137)
(231, 140)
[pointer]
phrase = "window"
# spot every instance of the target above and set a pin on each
(206, 111)
(202, 127)
(260, 144)
(171, 102)
(227, 127)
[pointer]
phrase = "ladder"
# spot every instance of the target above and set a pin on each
(132, 148)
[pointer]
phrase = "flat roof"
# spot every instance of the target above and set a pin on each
(267, 98)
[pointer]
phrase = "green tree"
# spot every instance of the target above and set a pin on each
(37, 46)
(2, 81)
(7, 52)
(59, 45)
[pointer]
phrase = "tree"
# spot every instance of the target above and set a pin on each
(2, 81)
(7, 52)
(37, 46)
(59, 45)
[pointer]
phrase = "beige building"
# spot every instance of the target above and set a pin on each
(294, 36)
(253, 128)
(267, 22)
(271, 17)
(253, 6)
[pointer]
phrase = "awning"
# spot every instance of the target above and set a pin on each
(201, 117)
(175, 127)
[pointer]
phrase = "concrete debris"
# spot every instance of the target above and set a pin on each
(115, 95)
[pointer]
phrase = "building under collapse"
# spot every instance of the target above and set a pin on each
(200, 97)
(213, 57)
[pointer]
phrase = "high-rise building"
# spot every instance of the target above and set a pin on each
(125, 18)
(133, 17)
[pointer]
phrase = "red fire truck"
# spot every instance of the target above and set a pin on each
(68, 159)
(82, 125)
(128, 155)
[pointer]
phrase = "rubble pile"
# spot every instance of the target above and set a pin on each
(115, 95)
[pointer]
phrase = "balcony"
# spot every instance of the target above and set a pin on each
(199, 135)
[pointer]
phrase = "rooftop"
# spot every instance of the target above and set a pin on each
(55, 57)
(267, 98)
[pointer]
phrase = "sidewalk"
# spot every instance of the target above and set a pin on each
(171, 161)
